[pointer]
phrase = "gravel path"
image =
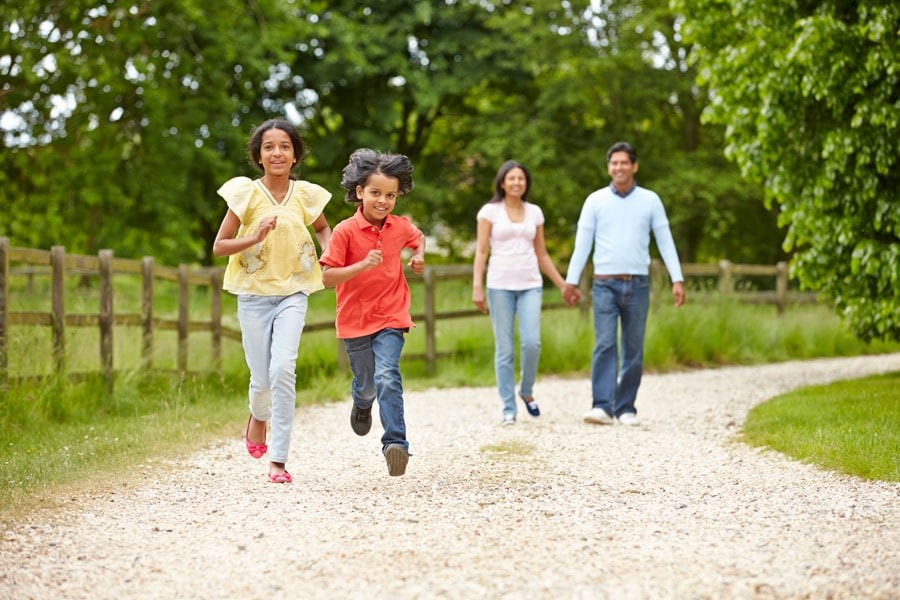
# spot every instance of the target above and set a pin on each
(550, 508)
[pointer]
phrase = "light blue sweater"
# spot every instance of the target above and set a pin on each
(619, 229)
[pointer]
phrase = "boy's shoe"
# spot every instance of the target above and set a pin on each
(598, 416)
(630, 419)
(361, 420)
(396, 457)
(531, 406)
(508, 420)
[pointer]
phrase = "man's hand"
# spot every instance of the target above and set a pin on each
(678, 293)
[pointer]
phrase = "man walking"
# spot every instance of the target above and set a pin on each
(616, 221)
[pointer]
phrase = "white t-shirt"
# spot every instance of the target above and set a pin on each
(512, 264)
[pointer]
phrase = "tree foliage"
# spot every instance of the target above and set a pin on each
(810, 95)
(122, 117)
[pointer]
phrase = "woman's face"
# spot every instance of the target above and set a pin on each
(514, 183)
(276, 153)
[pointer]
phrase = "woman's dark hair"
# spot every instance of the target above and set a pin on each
(505, 168)
(622, 147)
(365, 162)
(254, 145)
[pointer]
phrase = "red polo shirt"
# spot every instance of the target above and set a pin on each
(378, 298)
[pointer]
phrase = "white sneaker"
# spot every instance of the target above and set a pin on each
(598, 416)
(508, 420)
(629, 419)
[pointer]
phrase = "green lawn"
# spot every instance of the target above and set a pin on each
(851, 426)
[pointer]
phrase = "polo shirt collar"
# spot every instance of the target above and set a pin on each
(616, 191)
(361, 221)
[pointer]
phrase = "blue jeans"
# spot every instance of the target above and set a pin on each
(614, 385)
(505, 305)
(375, 362)
(270, 332)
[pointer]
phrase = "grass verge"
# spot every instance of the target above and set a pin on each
(852, 427)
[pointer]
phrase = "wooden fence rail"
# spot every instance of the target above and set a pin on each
(57, 264)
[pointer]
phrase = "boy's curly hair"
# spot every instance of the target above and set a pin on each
(364, 162)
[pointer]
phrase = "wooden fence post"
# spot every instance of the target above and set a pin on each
(430, 321)
(106, 318)
(183, 318)
(4, 314)
(215, 318)
(726, 282)
(58, 270)
(781, 286)
(147, 313)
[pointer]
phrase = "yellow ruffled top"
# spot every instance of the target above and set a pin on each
(285, 262)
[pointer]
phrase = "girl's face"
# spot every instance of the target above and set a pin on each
(514, 183)
(378, 196)
(276, 153)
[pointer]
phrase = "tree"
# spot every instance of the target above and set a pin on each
(810, 94)
(130, 114)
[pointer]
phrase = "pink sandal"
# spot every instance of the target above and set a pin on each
(255, 450)
(281, 478)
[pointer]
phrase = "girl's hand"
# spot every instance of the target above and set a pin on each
(417, 264)
(265, 227)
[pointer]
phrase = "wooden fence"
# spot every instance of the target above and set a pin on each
(57, 264)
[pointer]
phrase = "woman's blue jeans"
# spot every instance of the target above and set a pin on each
(270, 332)
(505, 306)
(375, 362)
(614, 385)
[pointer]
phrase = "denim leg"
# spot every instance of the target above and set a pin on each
(290, 318)
(375, 363)
(255, 314)
(387, 345)
(271, 327)
(362, 364)
(635, 303)
(604, 361)
(502, 304)
(529, 311)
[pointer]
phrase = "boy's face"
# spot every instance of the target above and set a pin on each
(378, 196)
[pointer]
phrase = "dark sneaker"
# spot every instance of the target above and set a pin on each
(396, 457)
(531, 406)
(361, 420)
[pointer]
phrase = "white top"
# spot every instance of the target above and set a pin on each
(512, 264)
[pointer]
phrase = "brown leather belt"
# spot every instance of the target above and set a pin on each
(616, 277)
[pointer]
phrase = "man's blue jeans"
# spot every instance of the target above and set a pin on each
(270, 332)
(375, 362)
(505, 306)
(614, 384)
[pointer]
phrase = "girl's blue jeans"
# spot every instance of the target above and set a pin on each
(505, 306)
(375, 362)
(270, 330)
(615, 383)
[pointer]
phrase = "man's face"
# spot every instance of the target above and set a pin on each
(621, 170)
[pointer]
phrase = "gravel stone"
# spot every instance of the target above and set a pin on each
(549, 508)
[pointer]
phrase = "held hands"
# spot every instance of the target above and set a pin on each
(571, 294)
(417, 264)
